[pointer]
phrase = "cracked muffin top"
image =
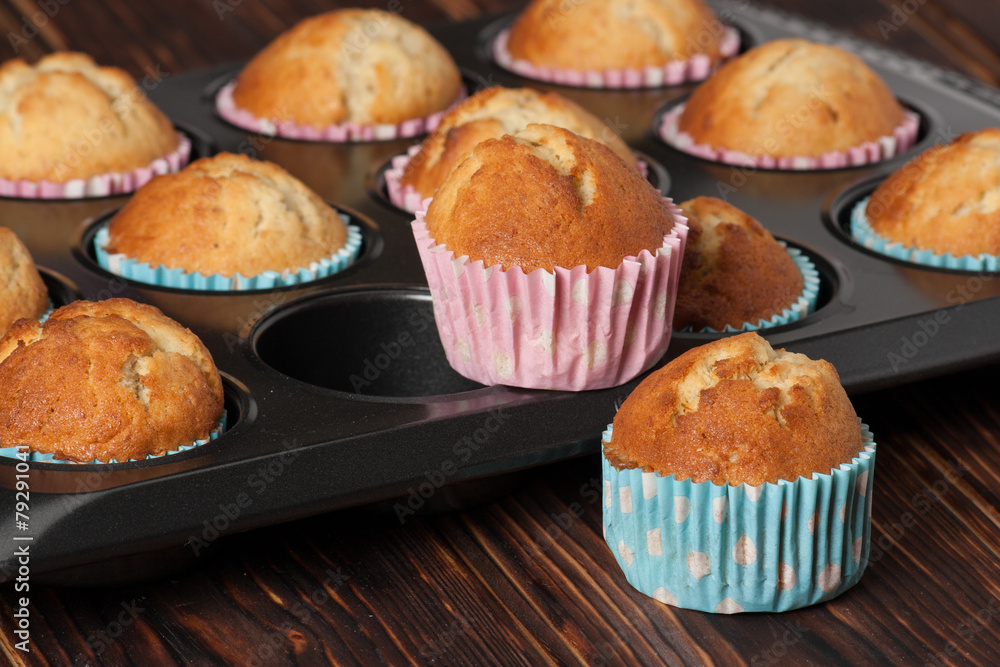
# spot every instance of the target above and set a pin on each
(736, 411)
(22, 292)
(612, 34)
(351, 65)
(946, 199)
(734, 271)
(227, 214)
(490, 114)
(65, 118)
(546, 197)
(791, 97)
(106, 380)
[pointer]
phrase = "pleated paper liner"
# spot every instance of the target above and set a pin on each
(407, 198)
(102, 185)
(674, 73)
(902, 139)
(862, 233)
(730, 549)
(801, 307)
(38, 457)
(340, 132)
(567, 329)
(143, 272)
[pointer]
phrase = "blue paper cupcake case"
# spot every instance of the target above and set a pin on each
(862, 233)
(38, 457)
(804, 305)
(143, 272)
(729, 549)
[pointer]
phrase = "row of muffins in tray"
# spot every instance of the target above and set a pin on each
(554, 264)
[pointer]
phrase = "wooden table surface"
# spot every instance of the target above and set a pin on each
(525, 576)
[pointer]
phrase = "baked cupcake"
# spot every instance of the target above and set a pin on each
(106, 381)
(23, 293)
(489, 114)
(792, 104)
(552, 263)
(941, 208)
(69, 128)
(738, 478)
(335, 73)
(602, 43)
(736, 275)
(226, 222)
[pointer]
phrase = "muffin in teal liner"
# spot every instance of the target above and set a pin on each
(736, 276)
(227, 222)
(682, 528)
(39, 457)
(862, 233)
(142, 272)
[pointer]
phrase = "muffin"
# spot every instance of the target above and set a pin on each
(734, 271)
(349, 66)
(226, 215)
(552, 263)
(108, 380)
(23, 293)
(791, 98)
(738, 478)
(945, 200)
(603, 34)
(490, 114)
(65, 118)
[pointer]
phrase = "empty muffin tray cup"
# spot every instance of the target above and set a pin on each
(338, 392)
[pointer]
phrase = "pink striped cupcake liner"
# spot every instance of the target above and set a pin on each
(901, 140)
(565, 329)
(340, 132)
(674, 73)
(102, 185)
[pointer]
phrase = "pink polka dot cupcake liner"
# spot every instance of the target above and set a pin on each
(566, 329)
(102, 185)
(406, 196)
(674, 73)
(901, 140)
(340, 132)
(731, 549)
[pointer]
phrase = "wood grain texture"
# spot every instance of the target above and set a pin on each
(526, 579)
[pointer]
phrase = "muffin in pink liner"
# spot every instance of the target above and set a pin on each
(600, 44)
(530, 295)
(792, 104)
(72, 129)
(345, 75)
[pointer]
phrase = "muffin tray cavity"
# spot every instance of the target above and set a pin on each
(338, 392)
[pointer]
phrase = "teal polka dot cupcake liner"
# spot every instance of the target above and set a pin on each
(801, 307)
(39, 457)
(863, 234)
(162, 276)
(730, 549)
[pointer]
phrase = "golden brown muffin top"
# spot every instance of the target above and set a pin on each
(490, 114)
(614, 34)
(227, 214)
(350, 65)
(545, 197)
(736, 411)
(733, 271)
(946, 199)
(65, 118)
(791, 97)
(106, 380)
(22, 292)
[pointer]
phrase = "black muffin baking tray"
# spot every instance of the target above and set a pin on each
(338, 392)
